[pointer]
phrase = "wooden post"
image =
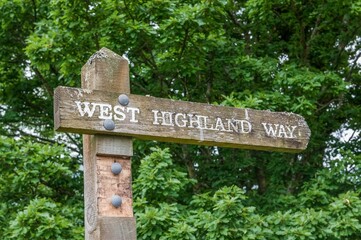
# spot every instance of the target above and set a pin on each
(109, 72)
(105, 108)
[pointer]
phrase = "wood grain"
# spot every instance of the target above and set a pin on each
(143, 119)
(114, 228)
(90, 187)
(114, 146)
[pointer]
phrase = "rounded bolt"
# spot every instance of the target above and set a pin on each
(116, 201)
(116, 168)
(109, 124)
(123, 99)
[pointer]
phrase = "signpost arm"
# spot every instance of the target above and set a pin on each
(104, 219)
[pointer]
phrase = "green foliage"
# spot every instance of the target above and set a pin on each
(318, 213)
(40, 190)
(155, 182)
(44, 219)
(294, 56)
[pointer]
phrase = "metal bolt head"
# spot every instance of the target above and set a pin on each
(116, 201)
(116, 168)
(123, 99)
(109, 124)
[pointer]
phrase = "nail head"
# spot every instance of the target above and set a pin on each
(116, 168)
(116, 201)
(109, 124)
(123, 99)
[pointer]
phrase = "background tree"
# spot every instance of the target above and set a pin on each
(299, 56)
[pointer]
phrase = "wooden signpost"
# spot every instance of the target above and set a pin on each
(105, 109)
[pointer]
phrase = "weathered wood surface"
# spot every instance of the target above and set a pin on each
(109, 184)
(107, 70)
(150, 118)
(102, 220)
(117, 228)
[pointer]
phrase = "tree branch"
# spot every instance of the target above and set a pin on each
(353, 66)
(184, 43)
(48, 88)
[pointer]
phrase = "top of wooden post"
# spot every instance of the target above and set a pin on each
(106, 71)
